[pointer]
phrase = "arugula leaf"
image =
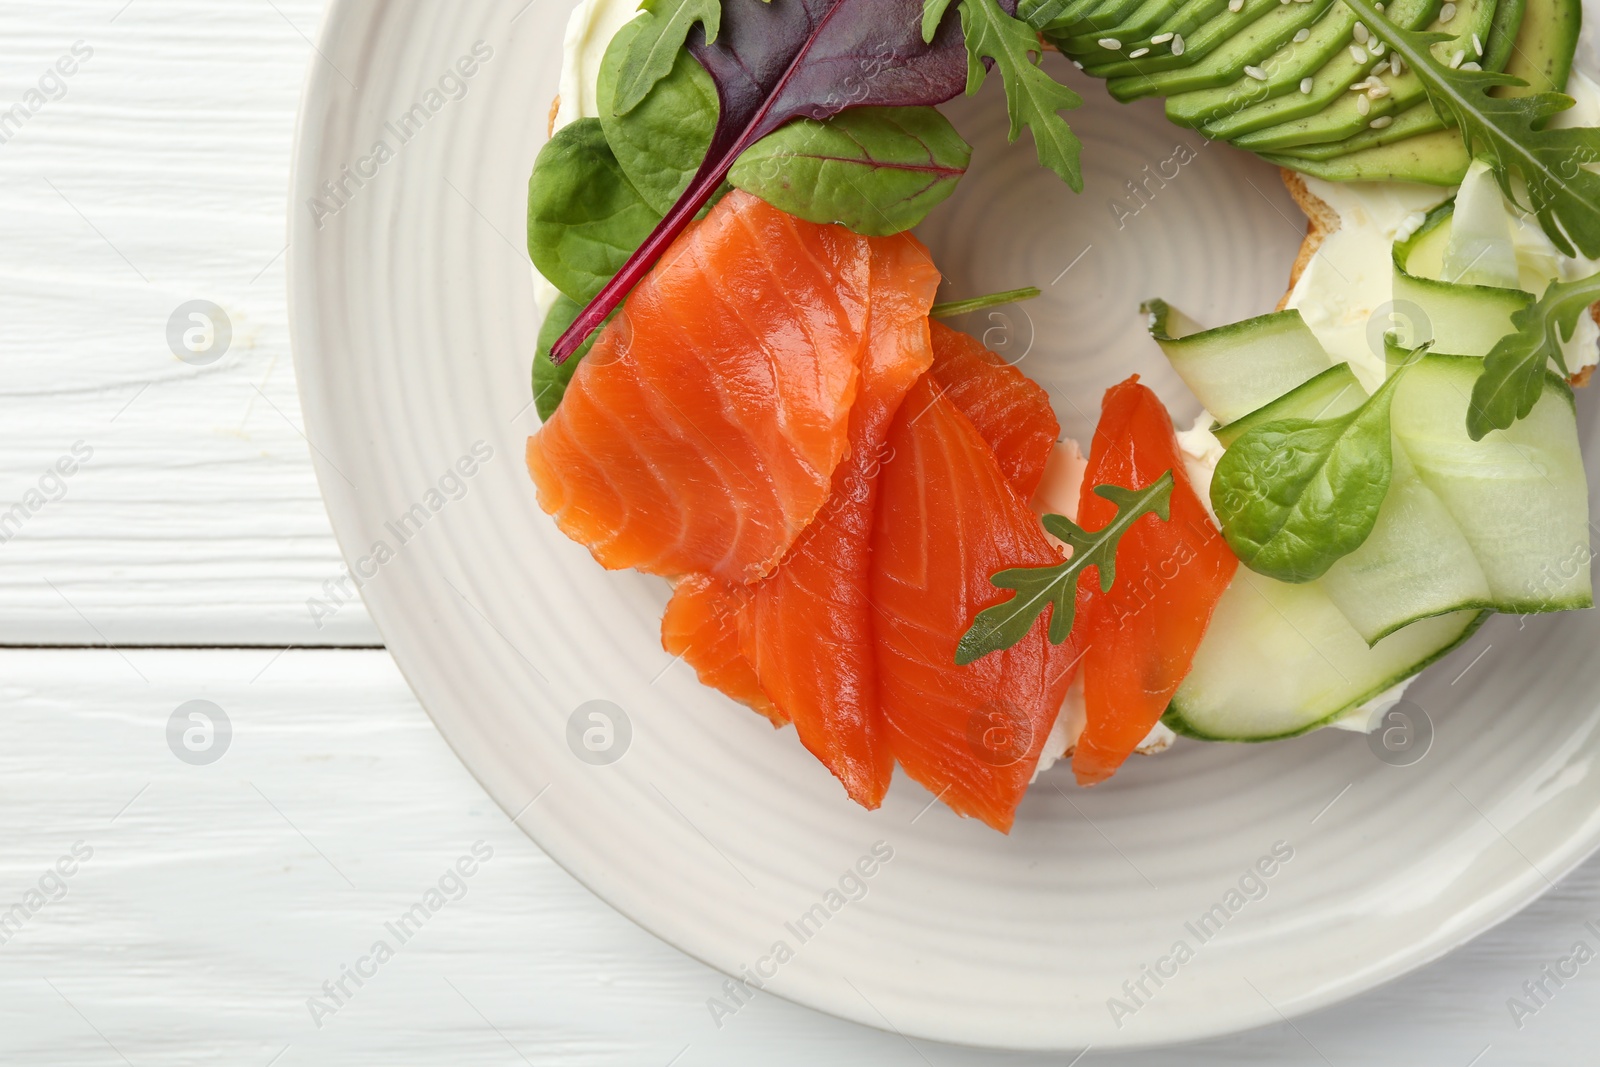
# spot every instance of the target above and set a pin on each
(951, 308)
(584, 216)
(877, 170)
(1056, 586)
(1294, 496)
(796, 59)
(1507, 133)
(1514, 370)
(653, 49)
(660, 141)
(1033, 98)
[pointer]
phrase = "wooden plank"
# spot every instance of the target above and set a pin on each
(218, 898)
(156, 178)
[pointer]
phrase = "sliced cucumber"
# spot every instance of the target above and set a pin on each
(1519, 496)
(1416, 563)
(1280, 660)
(1238, 368)
(1328, 395)
(1459, 319)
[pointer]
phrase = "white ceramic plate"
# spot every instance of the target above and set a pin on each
(413, 326)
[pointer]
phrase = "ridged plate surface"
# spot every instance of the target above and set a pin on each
(413, 325)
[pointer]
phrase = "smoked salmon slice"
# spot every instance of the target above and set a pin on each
(701, 625)
(807, 630)
(1010, 410)
(812, 640)
(701, 432)
(1140, 638)
(947, 519)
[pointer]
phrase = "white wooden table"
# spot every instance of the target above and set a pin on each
(207, 904)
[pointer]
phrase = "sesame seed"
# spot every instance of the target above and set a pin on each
(1257, 73)
(1375, 46)
(1378, 6)
(1305, 86)
(1177, 44)
(1378, 91)
(1455, 60)
(1110, 43)
(1302, 36)
(1364, 104)
(1162, 38)
(1075, 63)
(1477, 45)
(1472, 66)
(1381, 121)
(1358, 53)
(1359, 32)
(1137, 52)
(1396, 65)
(1447, 12)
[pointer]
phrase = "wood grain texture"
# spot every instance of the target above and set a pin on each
(219, 898)
(158, 178)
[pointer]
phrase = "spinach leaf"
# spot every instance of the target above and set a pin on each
(1296, 495)
(1056, 586)
(652, 53)
(1514, 370)
(660, 140)
(584, 217)
(549, 379)
(877, 170)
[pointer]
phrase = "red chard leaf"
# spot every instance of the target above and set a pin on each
(788, 59)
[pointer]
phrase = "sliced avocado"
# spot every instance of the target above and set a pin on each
(1045, 14)
(1198, 44)
(1285, 68)
(1104, 13)
(1345, 116)
(1150, 19)
(1226, 63)
(1420, 118)
(1545, 45)
(1437, 158)
(1329, 83)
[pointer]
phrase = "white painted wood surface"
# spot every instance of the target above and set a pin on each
(219, 898)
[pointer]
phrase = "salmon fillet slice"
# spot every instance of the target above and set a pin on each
(702, 431)
(806, 632)
(947, 519)
(1011, 411)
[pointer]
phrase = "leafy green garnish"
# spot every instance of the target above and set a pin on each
(1056, 585)
(1508, 134)
(877, 170)
(951, 308)
(1514, 370)
(1033, 98)
(1294, 496)
(660, 140)
(663, 27)
(550, 379)
(584, 217)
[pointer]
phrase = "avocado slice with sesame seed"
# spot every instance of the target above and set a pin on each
(1225, 65)
(1285, 68)
(1156, 18)
(1329, 83)
(1420, 117)
(1197, 44)
(1542, 56)
(1354, 112)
